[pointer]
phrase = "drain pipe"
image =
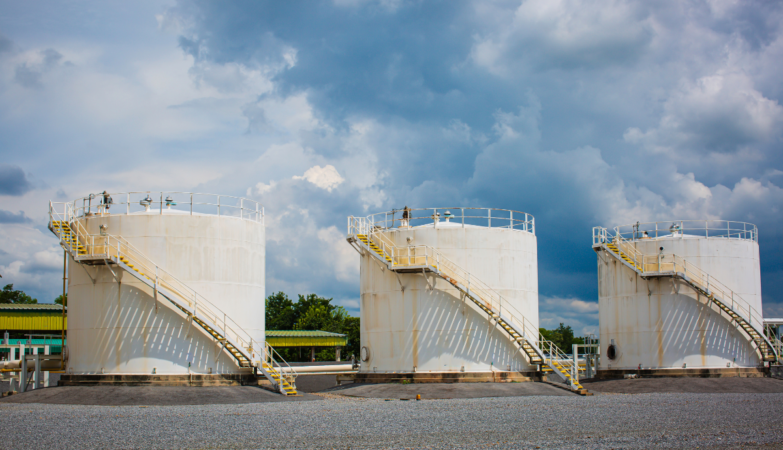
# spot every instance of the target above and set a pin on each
(65, 282)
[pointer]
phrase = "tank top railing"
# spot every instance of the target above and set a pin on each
(462, 216)
(671, 263)
(426, 256)
(164, 203)
(683, 229)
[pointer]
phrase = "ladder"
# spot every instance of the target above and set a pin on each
(728, 302)
(115, 251)
(424, 259)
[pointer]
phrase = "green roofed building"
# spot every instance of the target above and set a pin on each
(20, 320)
(305, 338)
(32, 324)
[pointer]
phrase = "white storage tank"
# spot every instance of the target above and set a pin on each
(212, 244)
(653, 321)
(417, 322)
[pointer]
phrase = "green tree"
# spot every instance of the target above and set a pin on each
(9, 295)
(563, 337)
(59, 300)
(280, 312)
(352, 329)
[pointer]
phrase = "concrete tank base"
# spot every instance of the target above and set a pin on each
(744, 372)
(448, 377)
(159, 380)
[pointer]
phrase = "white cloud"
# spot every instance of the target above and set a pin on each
(261, 188)
(342, 258)
(558, 33)
(717, 113)
(325, 177)
(580, 315)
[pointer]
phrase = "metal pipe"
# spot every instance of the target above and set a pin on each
(316, 369)
(65, 282)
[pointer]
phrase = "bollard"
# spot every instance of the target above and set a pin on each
(418, 397)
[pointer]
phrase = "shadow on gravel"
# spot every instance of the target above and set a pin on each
(686, 385)
(152, 396)
(430, 391)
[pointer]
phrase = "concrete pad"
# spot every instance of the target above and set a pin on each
(152, 396)
(316, 383)
(733, 385)
(430, 391)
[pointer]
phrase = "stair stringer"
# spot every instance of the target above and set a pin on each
(733, 316)
(244, 357)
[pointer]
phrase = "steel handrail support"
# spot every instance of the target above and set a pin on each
(290, 375)
(671, 264)
(473, 287)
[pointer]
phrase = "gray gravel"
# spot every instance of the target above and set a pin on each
(601, 421)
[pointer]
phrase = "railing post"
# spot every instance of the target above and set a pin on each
(218, 205)
(191, 204)
(161, 203)
(241, 208)
(463, 217)
(511, 219)
(489, 218)
(127, 203)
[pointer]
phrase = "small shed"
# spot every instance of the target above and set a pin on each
(307, 338)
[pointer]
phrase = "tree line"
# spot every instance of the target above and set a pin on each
(18, 297)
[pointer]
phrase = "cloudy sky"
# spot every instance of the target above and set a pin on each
(579, 112)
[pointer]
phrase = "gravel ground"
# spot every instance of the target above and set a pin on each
(601, 421)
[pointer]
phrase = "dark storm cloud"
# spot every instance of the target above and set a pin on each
(13, 180)
(582, 113)
(30, 75)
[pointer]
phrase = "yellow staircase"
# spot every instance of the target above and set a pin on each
(565, 373)
(766, 350)
(288, 388)
(369, 243)
(64, 232)
(613, 247)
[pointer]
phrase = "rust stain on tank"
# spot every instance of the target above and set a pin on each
(702, 339)
(415, 331)
(659, 325)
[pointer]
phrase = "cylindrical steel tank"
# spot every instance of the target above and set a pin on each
(662, 322)
(115, 325)
(418, 322)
